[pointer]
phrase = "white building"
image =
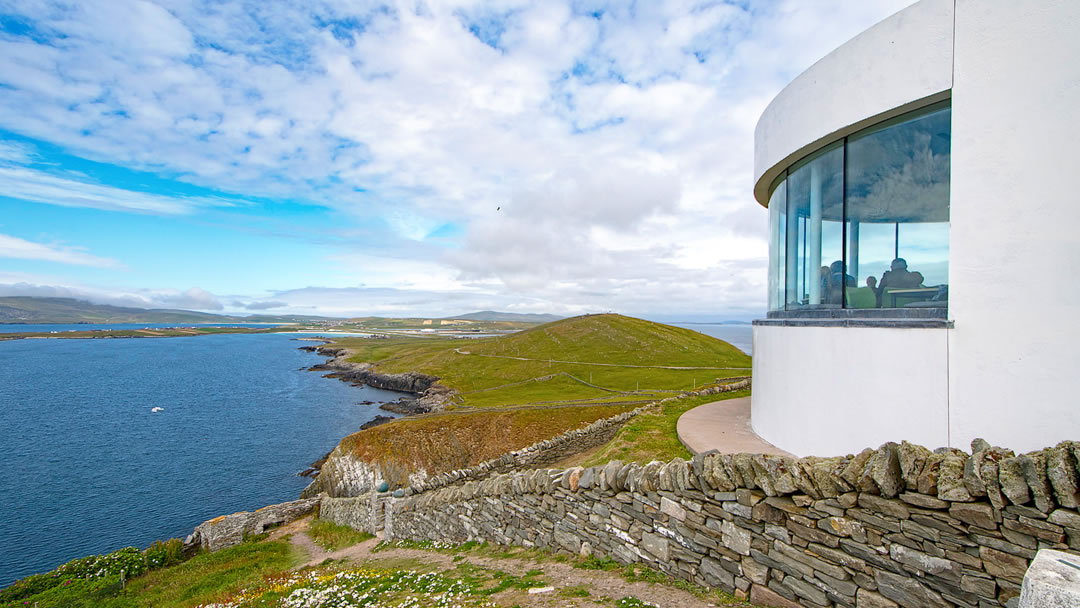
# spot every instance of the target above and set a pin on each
(947, 135)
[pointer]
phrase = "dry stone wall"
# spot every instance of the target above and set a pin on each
(344, 475)
(896, 526)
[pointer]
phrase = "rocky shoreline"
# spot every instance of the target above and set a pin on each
(427, 395)
(430, 395)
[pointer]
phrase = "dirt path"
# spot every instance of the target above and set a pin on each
(573, 587)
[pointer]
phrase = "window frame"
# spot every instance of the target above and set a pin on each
(842, 312)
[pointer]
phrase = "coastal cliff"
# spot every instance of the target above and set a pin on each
(430, 395)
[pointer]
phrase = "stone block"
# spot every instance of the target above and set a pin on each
(1011, 480)
(825, 477)
(1003, 546)
(747, 497)
(1033, 466)
(1065, 517)
(973, 473)
(744, 466)
(715, 575)
(1003, 565)
(923, 501)
(835, 587)
(567, 539)
(760, 595)
(890, 507)
(837, 556)
(928, 476)
(885, 470)
(655, 545)
(985, 588)
(908, 592)
(766, 513)
(951, 484)
(777, 533)
(806, 561)
(807, 591)
(812, 534)
(1053, 581)
(869, 599)
(926, 563)
(735, 538)
(913, 529)
(672, 508)
(989, 474)
(756, 572)
(838, 526)
(976, 514)
(738, 509)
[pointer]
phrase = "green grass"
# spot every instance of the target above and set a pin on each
(201, 579)
(575, 591)
(519, 402)
(331, 536)
(652, 435)
(611, 340)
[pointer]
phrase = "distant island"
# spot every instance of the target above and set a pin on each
(36, 310)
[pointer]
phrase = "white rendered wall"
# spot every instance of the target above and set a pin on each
(829, 391)
(1015, 238)
(886, 69)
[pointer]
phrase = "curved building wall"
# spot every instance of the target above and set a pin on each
(1015, 350)
(1003, 365)
(899, 64)
(822, 394)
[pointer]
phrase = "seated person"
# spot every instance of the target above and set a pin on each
(833, 285)
(899, 277)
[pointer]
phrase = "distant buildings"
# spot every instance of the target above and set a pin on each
(924, 278)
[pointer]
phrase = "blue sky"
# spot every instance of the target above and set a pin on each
(404, 158)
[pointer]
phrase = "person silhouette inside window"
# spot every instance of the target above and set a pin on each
(899, 277)
(833, 284)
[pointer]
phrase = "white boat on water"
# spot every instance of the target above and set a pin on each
(157, 409)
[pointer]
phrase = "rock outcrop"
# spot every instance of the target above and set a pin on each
(431, 396)
(229, 530)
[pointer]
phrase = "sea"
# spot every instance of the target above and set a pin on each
(739, 335)
(88, 467)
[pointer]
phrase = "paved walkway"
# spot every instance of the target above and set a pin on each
(723, 426)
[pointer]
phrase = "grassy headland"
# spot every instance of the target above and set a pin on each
(518, 389)
(595, 358)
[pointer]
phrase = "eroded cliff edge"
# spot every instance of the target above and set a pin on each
(430, 395)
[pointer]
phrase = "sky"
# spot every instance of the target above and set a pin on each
(413, 158)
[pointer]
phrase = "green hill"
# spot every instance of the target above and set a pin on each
(594, 358)
(616, 339)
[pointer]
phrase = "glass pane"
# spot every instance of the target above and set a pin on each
(814, 268)
(777, 225)
(898, 213)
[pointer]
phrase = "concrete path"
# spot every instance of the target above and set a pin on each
(723, 426)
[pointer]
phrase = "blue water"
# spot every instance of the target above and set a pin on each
(16, 328)
(739, 336)
(87, 468)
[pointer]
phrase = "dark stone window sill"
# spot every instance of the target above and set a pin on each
(860, 317)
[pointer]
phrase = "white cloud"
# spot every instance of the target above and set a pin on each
(11, 152)
(44, 287)
(618, 147)
(14, 247)
(69, 191)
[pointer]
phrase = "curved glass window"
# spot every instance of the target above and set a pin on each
(864, 223)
